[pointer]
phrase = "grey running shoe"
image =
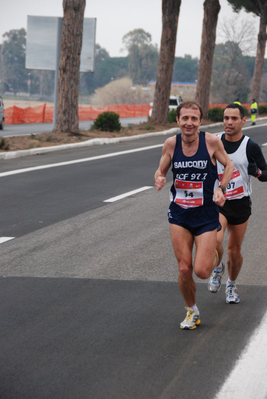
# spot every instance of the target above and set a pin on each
(231, 294)
(214, 283)
(191, 320)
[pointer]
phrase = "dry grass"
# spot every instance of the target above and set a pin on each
(121, 91)
(50, 139)
(24, 103)
(9, 102)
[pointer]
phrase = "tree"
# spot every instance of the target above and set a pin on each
(185, 69)
(211, 12)
(230, 75)
(259, 8)
(170, 15)
(87, 80)
(143, 56)
(13, 74)
(67, 119)
(106, 71)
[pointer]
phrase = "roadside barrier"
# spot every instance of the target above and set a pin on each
(44, 114)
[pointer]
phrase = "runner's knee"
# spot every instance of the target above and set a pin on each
(234, 251)
(185, 271)
(203, 273)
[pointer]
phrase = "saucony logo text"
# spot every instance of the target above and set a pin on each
(191, 164)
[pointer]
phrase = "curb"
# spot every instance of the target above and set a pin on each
(42, 150)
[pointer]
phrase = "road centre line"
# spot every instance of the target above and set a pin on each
(5, 239)
(248, 378)
(138, 190)
(55, 165)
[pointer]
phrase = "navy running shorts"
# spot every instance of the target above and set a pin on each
(197, 220)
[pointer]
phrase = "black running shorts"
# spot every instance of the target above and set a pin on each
(237, 211)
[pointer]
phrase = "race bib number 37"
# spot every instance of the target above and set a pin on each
(188, 194)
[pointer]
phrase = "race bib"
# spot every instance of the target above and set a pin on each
(235, 188)
(189, 194)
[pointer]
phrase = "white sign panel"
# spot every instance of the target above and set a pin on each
(42, 39)
(88, 47)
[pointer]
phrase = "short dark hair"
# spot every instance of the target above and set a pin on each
(234, 105)
(189, 104)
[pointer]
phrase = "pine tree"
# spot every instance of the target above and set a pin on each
(67, 119)
(211, 12)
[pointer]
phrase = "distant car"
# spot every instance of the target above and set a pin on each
(174, 101)
(2, 114)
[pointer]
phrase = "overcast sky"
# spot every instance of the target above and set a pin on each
(118, 17)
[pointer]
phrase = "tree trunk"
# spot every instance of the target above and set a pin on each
(67, 119)
(211, 12)
(170, 15)
(259, 61)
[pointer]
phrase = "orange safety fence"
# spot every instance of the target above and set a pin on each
(225, 105)
(15, 115)
(44, 114)
(49, 114)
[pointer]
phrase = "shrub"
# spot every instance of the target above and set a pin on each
(172, 116)
(263, 109)
(107, 122)
(216, 114)
(246, 110)
(4, 145)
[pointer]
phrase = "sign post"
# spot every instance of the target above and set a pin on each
(44, 43)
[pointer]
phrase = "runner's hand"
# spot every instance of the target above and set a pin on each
(160, 182)
(253, 169)
(219, 198)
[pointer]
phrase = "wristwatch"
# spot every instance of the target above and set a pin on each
(223, 189)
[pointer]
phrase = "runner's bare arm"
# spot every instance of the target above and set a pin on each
(164, 163)
(222, 156)
(216, 146)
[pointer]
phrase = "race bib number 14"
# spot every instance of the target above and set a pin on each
(188, 194)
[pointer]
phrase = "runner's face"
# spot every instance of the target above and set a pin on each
(232, 122)
(189, 121)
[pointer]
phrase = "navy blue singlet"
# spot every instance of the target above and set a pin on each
(192, 190)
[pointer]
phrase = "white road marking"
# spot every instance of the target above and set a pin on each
(55, 165)
(128, 194)
(249, 127)
(248, 378)
(4, 239)
(115, 154)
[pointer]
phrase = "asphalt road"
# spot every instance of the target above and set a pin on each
(89, 301)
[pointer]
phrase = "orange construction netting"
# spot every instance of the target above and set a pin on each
(44, 114)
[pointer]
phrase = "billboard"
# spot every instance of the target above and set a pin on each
(43, 39)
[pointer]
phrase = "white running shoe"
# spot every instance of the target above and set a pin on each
(191, 320)
(214, 283)
(231, 294)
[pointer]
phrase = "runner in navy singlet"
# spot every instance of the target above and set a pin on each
(195, 197)
(193, 189)
(234, 215)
